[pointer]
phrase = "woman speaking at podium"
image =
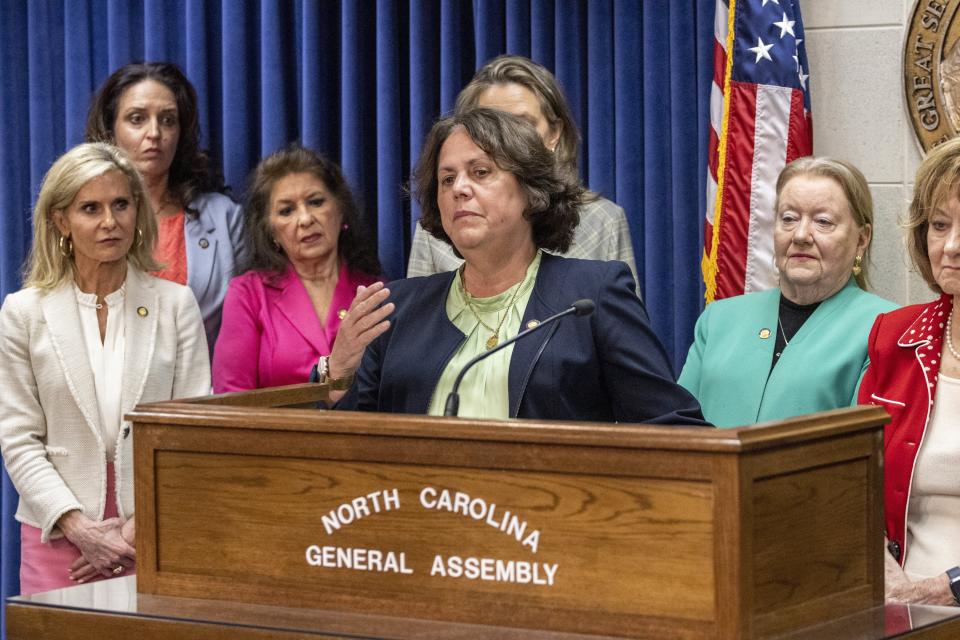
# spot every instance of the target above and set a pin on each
(488, 186)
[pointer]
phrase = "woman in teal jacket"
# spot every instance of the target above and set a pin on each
(802, 347)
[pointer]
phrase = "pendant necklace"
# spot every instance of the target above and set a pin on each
(494, 338)
(786, 343)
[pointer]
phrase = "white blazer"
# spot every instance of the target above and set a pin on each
(50, 431)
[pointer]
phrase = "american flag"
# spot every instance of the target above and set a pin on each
(760, 121)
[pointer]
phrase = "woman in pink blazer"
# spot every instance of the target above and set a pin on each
(308, 262)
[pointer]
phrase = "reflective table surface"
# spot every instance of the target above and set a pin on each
(118, 599)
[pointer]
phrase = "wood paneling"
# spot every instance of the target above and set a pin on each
(305, 396)
(656, 531)
(654, 536)
(809, 530)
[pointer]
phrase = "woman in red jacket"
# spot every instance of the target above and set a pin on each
(914, 374)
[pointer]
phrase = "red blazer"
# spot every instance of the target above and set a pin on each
(904, 349)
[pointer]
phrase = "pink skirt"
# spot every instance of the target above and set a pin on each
(45, 566)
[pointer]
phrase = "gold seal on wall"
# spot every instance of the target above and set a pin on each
(931, 71)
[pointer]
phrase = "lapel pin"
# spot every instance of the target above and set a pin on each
(342, 314)
(764, 333)
(142, 312)
(532, 324)
(204, 243)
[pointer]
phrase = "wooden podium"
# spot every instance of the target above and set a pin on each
(634, 531)
(445, 524)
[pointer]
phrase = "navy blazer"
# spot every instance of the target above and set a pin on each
(607, 367)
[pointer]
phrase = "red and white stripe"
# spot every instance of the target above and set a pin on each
(766, 127)
(716, 112)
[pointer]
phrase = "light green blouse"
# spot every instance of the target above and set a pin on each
(484, 392)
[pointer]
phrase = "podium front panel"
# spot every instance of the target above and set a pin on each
(578, 528)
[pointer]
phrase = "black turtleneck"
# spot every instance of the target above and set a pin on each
(791, 317)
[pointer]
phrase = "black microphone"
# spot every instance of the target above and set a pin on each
(579, 308)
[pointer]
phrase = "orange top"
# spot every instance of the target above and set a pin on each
(171, 249)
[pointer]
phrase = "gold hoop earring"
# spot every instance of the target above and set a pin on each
(65, 245)
(857, 269)
(139, 237)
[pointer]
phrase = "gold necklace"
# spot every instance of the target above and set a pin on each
(494, 338)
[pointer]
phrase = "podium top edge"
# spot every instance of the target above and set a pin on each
(807, 428)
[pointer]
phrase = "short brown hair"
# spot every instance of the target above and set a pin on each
(46, 266)
(525, 72)
(553, 197)
(352, 244)
(938, 178)
(855, 190)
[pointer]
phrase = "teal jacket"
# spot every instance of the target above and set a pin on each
(728, 366)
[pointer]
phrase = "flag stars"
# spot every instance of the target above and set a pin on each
(776, 2)
(786, 26)
(803, 78)
(762, 51)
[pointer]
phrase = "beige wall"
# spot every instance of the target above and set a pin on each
(859, 114)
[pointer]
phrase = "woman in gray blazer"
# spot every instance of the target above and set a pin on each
(150, 111)
(521, 87)
(89, 336)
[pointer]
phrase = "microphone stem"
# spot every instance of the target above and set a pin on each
(452, 406)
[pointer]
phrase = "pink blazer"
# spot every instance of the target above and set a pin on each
(270, 333)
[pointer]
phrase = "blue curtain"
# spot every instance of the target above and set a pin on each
(363, 81)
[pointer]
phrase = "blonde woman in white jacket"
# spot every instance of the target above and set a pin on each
(89, 336)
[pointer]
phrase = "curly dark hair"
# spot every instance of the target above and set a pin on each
(191, 172)
(352, 244)
(554, 196)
